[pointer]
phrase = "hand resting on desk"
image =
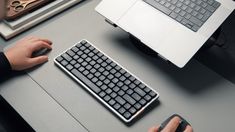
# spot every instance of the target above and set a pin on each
(20, 55)
(171, 126)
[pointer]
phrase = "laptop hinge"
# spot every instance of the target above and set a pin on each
(136, 40)
(111, 23)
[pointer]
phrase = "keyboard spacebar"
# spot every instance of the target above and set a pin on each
(90, 84)
(158, 6)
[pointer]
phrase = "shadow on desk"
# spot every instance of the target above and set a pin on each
(222, 60)
(194, 78)
(10, 120)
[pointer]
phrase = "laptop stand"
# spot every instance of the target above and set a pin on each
(212, 41)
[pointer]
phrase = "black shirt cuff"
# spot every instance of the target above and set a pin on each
(5, 66)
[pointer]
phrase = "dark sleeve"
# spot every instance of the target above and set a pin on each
(5, 66)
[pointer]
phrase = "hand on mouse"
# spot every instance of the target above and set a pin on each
(20, 55)
(171, 126)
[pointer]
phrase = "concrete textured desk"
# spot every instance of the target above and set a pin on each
(201, 95)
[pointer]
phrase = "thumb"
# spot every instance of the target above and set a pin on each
(154, 129)
(38, 60)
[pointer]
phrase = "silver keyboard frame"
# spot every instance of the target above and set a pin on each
(94, 94)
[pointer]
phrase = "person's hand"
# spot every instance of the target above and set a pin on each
(20, 55)
(171, 126)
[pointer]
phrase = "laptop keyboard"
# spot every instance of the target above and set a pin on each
(191, 13)
(115, 87)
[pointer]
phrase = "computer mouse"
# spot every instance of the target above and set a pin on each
(182, 126)
(40, 52)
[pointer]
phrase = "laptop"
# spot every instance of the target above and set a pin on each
(175, 29)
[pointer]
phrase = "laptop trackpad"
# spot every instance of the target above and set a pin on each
(146, 23)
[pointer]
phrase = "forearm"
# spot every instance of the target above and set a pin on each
(5, 66)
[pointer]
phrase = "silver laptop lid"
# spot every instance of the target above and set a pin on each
(171, 40)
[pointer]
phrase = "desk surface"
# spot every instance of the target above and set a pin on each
(50, 101)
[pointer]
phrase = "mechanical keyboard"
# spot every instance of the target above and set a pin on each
(119, 90)
(191, 13)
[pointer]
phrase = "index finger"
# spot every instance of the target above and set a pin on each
(172, 125)
(39, 45)
(36, 39)
(46, 40)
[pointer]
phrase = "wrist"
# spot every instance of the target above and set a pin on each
(5, 65)
(10, 59)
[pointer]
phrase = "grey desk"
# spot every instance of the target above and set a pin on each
(48, 100)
